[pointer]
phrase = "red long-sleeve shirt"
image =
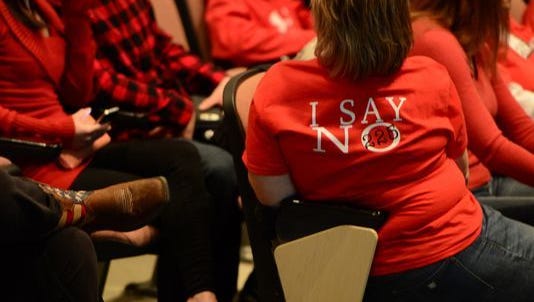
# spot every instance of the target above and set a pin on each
(500, 134)
(38, 75)
(249, 32)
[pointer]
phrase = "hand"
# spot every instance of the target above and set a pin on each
(215, 98)
(4, 162)
(463, 163)
(189, 129)
(86, 130)
(160, 132)
(205, 296)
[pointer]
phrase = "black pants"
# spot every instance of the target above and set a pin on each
(39, 264)
(185, 260)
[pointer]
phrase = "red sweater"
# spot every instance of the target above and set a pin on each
(528, 17)
(384, 143)
(500, 133)
(248, 32)
(35, 73)
(518, 65)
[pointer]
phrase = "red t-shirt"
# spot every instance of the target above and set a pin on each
(501, 134)
(384, 143)
(249, 32)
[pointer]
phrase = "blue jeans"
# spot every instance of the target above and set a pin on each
(513, 199)
(504, 186)
(221, 183)
(498, 266)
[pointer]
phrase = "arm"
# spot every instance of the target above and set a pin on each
(511, 118)
(181, 65)
(16, 125)
(77, 83)
(486, 140)
(457, 146)
(463, 164)
(76, 131)
(270, 190)
(237, 35)
(169, 106)
(196, 76)
(524, 97)
(268, 174)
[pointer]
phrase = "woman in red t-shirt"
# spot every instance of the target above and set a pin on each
(364, 124)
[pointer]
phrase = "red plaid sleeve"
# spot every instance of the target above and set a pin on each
(196, 76)
(167, 106)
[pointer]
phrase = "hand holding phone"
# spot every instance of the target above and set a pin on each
(106, 114)
(86, 130)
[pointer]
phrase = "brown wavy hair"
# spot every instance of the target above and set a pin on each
(481, 26)
(359, 38)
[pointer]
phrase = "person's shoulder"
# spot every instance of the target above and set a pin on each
(291, 71)
(287, 77)
(426, 29)
(426, 72)
(423, 64)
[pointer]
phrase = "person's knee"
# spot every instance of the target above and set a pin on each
(217, 168)
(220, 168)
(73, 243)
(71, 254)
(175, 155)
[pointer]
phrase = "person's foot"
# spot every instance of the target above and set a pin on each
(205, 296)
(139, 238)
(122, 207)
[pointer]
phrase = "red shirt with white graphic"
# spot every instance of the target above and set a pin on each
(249, 32)
(518, 65)
(384, 143)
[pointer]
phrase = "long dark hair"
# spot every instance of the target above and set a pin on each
(481, 26)
(360, 38)
(23, 14)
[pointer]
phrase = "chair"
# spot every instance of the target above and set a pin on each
(331, 265)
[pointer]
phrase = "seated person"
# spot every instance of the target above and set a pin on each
(46, 65)
(500, 133)
(381, 136)
(517, 67)
(139, 68)
(250, 32)
(41, 248)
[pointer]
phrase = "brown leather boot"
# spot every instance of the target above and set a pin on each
(121, 207)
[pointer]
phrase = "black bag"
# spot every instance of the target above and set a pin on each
(297, 218)
(19, 150)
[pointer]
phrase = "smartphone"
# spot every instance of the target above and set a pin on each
(106, 114)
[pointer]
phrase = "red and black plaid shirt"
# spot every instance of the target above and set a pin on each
(138, 67)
